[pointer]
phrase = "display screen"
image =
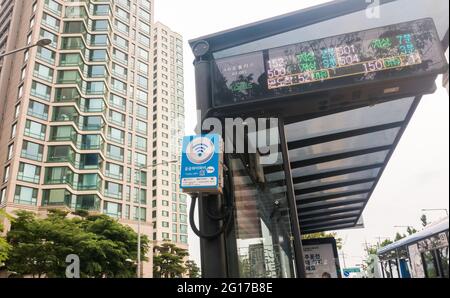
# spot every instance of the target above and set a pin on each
(390, 52)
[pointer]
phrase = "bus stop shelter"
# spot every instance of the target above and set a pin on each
(332, 146)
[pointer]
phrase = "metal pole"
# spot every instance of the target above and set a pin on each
(213, 251)
(42, 42)
(138, 269)
(298, 247)
(16, 50)
(343, 259)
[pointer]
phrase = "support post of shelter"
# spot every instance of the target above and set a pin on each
(295, 225)
(213, 254)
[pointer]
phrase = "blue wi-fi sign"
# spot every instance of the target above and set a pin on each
(201, 164)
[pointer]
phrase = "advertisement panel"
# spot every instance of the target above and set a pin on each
(321, 259)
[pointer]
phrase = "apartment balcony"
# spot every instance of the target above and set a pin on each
(63, 198)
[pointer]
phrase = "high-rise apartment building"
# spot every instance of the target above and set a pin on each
(169, 209)
(81, 116)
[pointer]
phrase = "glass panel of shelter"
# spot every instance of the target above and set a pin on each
(360, 20)
(262, 218)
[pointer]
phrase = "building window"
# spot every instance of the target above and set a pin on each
(119, 71)
(38, 110)
(143, 54)
(144, 40)
(120, 56)
(183, 218)
(142, 215)
(6, 174)
(112, 209)
(32, 151)
(50, 21)
(141, 143)
(13, 130)
(100, 25)
(25, 195)
(3, 196)
(121, 42)
(141, 159)
(40, 90)
(114, 171)
(29, 173)
(116, 135)
(142, 96)
(113, 190)
(35, 130)
(115, 152)
(122, 27)
(117, 118)
(165, 236)
(10, 151)
(53, 6)
(117, 102)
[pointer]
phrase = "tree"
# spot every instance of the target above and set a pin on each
(168, 261)
(411, 230)
(370, 261)
(4, 246)
(192, 269)
(40, 246)
(324, 235)
(386, 242)
(423, 219)
(399, 236)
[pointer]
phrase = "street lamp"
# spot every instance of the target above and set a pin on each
(41, 43)
(138, 269)
(438, 209)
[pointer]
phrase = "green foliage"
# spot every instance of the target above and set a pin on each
(324, 235)
(168, 261)
(192, 269)
(40, 246)
(411, 230)
(4, 246)
(386, 242)
(424, 220)
(399, 236)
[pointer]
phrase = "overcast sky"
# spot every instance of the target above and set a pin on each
(417, 174)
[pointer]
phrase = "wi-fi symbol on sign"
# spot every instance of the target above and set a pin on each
(200, 149)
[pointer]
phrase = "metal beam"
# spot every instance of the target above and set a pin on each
(328, 158)
(331, 197)
(341, 135)
(328, 228)
(328, 223)
(336, 173)
(337, 216)
(333, 157)
(330, 212)
(332, 186)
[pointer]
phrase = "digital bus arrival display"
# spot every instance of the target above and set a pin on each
(390, 52)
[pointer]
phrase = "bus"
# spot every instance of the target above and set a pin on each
(420, 255)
